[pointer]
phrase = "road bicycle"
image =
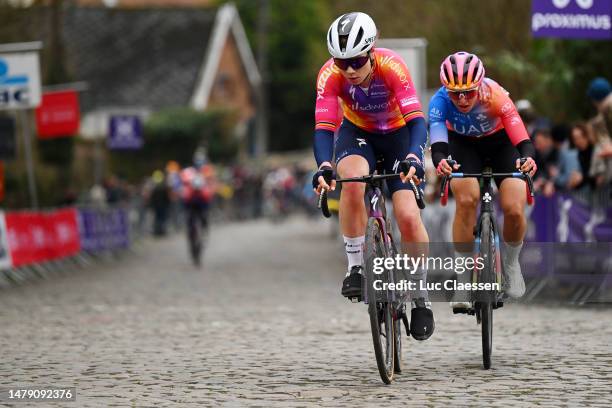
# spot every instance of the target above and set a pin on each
(197, 231)
(487, 249)
(386, 308)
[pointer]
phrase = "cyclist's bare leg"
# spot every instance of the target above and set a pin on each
(512, 200)
(467, 196)
(408, 217)
(415, 243)
(353, 221)
(352, 211)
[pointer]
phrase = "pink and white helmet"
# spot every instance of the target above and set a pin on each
(461, 71)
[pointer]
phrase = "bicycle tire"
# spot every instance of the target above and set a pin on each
(381, 313)
(195, 242)
(487, 275)
(397, 347)
(397, 329)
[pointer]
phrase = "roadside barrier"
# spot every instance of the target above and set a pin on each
(42, 244)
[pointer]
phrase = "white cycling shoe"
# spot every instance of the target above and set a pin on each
(515, 284)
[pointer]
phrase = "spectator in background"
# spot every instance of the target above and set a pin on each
(527, 114)
(97, 196)
(160, 202)
(173, 179)
(600, 94)
(113, 190)
(546, 159)
(581, 140)
(558, 167)
(566, 171)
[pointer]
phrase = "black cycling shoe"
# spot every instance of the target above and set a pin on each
(351, 286)
(421, 321)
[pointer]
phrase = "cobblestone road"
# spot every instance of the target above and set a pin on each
(263, 324)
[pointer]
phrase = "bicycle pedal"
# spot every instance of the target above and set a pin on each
(460, 310)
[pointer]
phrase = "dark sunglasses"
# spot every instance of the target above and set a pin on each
(456, 95)
(355, 62)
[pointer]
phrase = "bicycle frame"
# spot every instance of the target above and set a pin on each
(390, 304)
(486, 206)
(376, 209)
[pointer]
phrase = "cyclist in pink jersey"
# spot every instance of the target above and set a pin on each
(382, 117)
(472, 118)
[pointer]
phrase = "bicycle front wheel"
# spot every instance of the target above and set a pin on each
(382, 320)
(487, 275)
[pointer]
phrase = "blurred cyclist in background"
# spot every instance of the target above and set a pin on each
(197, 193)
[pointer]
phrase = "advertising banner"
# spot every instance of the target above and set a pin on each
(125, 133)
(19, 80)
(42, 236)
(58, 115)
(5, 255)
(591, 19)
(561, 218)
(103, 230)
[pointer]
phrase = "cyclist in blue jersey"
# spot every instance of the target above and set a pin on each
(472, 118)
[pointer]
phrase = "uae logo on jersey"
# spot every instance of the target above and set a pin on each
(481, 116)
(362, 142)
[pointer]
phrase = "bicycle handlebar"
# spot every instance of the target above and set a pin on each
(518, 174)
(322, 204)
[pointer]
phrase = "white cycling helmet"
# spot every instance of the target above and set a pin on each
(351, 34)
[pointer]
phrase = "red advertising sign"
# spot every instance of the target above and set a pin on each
(42, 236)
(58, 115)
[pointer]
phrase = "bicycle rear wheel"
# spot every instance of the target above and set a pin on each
(382, 322)
(487, 275)
(194, 236)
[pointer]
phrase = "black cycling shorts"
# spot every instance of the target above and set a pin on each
(393, 147)
(473, 154)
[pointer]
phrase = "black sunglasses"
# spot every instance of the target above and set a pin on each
(355, 62)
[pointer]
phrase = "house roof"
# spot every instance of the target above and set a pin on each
(227, 21)
(147, 58)
(136, 57)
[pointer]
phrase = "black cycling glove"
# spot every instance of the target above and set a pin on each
(405, 166)
(328, 174)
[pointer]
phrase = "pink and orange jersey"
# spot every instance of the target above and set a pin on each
(386, 105)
